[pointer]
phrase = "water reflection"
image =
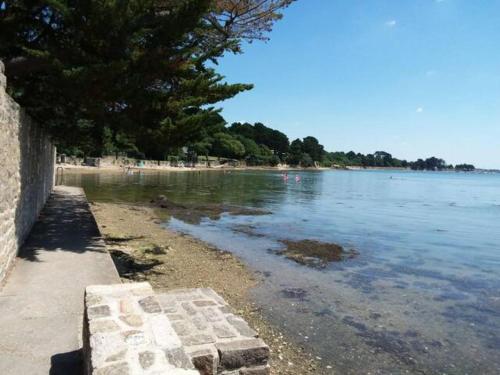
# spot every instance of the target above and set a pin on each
(243, 188)
(422, 296)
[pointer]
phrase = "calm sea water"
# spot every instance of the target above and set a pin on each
(422, 297)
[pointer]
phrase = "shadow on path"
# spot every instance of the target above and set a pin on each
(41, 304)
(65, 224)
(67, 363)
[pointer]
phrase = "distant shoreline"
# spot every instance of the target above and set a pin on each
(114, 169)
(85, 168)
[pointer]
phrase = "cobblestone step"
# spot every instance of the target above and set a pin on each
(217, 341)
(130, 330)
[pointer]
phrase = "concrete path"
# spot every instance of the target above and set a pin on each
(41, 304)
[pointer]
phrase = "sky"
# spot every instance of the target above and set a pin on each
(416, 78)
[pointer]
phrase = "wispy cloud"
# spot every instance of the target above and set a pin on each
(391, 23)
(420, 109)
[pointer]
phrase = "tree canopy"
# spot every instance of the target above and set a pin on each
(275, 140)
(257, 144)
(249, 20)
(465, 167)
(135, 73)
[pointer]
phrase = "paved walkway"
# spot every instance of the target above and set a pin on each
(41, 304)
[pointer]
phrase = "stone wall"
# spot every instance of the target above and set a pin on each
(27, 157)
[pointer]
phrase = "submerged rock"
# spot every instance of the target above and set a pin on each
(315, 253)
(163, 202)
(294, 293)
(249, 230)
(194, 213)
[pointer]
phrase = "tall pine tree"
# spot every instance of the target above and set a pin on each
(101, 71)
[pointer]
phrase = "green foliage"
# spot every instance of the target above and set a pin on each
(91, 70)
(245, 130)
(274, 161)
(379, 159)
(225, 145)
(251, 148)
(465, 167)
(273, 139)
(306, 161)
(295, 153)
(262, 135)
(382, 159)
(203, 147)
(430, 164)
(307, 152)
(311, 146)
(257, 144)
(245, 19)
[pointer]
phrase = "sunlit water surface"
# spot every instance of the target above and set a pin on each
(423, 296)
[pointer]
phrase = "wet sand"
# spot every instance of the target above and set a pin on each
(144, 250)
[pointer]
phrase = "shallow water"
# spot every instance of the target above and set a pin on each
(423, 296)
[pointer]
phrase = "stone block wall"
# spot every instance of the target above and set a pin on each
(27, 157)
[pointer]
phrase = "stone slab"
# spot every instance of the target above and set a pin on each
(241, 354)
(126, 332)
(217, 340)
(129, 328)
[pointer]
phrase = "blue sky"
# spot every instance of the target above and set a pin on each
(416, 78)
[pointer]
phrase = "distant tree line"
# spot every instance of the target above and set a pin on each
(465, 167)
(259, 145)
(256, 144)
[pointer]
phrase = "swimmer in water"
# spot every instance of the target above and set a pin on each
(297, 178)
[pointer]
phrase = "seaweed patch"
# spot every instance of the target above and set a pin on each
(194, 213)
(315, 254)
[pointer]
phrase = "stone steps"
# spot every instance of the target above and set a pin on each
(130, 330)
